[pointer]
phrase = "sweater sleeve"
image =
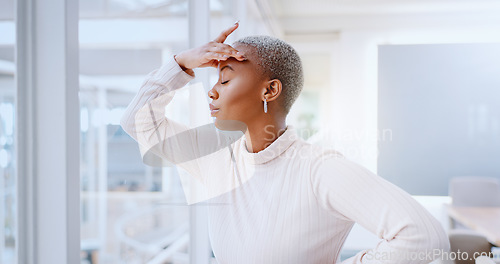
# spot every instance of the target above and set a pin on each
(408, 232)
(162, 141)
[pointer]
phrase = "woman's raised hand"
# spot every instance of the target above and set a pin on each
(209, 54)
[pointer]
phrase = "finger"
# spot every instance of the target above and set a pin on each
(212, 59)
(227, 50)
(223, 48)
(216, 56)
(212, 63)
(225, 56)
(223, 35)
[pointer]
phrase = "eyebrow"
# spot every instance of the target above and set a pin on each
(226, 66)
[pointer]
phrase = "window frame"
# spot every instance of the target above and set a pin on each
(47, 132)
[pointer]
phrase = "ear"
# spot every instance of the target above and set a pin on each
(273, 90)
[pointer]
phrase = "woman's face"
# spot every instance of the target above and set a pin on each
(238, 94)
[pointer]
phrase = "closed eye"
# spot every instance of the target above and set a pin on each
(224, 82)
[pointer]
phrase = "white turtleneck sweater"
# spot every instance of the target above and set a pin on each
(292, 202)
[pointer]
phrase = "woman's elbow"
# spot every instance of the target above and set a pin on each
(436, 243)
(438, 237)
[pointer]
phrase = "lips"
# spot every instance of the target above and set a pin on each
(213, 109)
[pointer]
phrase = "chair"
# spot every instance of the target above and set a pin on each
(468, 241)
(473, 191)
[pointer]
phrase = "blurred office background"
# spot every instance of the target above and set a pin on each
(409, 89)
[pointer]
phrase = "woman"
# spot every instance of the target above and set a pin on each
(274, 198)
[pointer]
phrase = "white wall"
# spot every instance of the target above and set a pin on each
(354, 89)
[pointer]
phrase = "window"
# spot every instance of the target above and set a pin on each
(130, 212)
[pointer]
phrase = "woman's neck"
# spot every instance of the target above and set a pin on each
(260, 136)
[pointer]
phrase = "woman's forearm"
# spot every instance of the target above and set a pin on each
(156, 92)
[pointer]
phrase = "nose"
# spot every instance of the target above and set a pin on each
(212, 93)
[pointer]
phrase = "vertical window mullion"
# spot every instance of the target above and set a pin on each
(199, 244)
(47, 128)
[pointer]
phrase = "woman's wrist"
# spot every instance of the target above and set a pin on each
(187, 70)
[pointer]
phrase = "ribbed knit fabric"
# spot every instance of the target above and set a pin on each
(292, 202)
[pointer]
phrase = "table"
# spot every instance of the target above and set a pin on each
(485, 220)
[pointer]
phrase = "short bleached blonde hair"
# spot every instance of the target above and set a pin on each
(279, 60)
